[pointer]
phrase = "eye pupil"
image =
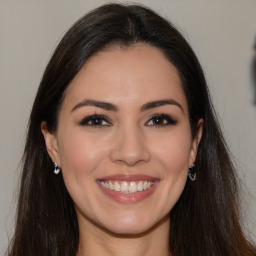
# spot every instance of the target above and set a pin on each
(158, 120)
(97, 121)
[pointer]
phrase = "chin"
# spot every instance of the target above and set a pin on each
(133, 225)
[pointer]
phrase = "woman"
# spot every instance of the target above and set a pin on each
(124, 154)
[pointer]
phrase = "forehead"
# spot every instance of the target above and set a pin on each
(127, 75)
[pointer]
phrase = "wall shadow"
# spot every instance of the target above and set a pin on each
(253, 72)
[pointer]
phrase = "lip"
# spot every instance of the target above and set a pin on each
(129, 198)
(128, 178)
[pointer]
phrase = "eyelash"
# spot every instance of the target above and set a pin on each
(96, 121)
(94, 118)
(168, 120)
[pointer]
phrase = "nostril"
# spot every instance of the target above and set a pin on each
(130, 153)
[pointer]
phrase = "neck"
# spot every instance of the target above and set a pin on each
(97, 241)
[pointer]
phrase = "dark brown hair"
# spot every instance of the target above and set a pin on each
(205, 220)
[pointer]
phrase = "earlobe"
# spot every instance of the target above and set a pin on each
(50, 143)
(196, 141)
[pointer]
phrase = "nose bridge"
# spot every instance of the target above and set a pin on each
(130, 145)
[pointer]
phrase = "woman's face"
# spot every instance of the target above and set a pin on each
(123, 139)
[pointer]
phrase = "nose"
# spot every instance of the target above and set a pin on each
(130, 147)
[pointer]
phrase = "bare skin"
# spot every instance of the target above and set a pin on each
(150, 243)
(124, 118)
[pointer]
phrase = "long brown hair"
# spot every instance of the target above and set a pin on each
(205, 220)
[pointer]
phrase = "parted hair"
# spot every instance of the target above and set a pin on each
(205, 220)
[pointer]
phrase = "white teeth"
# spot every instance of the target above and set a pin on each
(132, 187)
(111, 186)
(124, 186)
(117, 187)
(140, 186)
(127, 187)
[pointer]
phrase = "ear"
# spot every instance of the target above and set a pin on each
(195, 142)
(51, 143)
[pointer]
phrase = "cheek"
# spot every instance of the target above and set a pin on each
(79, 155)
(174, 153)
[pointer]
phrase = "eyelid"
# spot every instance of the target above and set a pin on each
(169, 118)
(84, 121)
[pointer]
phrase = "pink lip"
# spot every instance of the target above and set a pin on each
(128, 198)
(127, 177)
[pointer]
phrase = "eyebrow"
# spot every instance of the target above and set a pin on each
(94, 103)
(159, 103)
(112, 107)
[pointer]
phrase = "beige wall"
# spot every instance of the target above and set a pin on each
(221, 32)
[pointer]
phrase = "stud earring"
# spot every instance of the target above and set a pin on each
(56, 168)
(192, 173)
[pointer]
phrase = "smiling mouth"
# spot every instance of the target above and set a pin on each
(127, 187)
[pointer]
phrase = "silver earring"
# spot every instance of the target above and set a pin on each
(192, 173)
(56, 168)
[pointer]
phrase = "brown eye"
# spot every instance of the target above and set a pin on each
(161, 120)
(95, 120)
